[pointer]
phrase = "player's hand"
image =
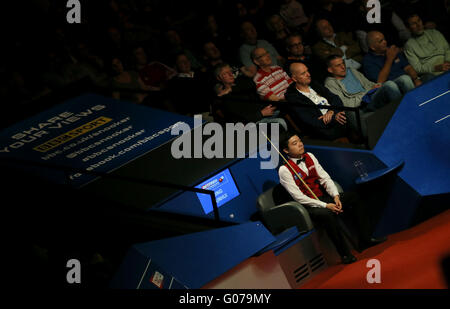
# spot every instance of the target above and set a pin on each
(338, 202)
(334, 208)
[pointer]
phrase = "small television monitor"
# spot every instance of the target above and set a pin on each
(224, 188)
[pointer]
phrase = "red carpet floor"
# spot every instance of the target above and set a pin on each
(409, 259)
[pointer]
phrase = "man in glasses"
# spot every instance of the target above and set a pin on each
(271, 80)
(299, 52)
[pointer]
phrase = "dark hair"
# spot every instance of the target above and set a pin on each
(331, 58)
(410, 15)
(317, 22)
(218, 68)
(246, 20)
(174, 59)
(292, 35)
(285, 136)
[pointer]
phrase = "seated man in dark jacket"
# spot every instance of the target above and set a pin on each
(187, 89)
(237, 100)
(320, 123)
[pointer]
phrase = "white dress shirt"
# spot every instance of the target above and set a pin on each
(316, 99)
(288, 182)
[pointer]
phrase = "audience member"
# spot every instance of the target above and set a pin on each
(384, 63)
(341, 43)
(355, 90)
(238, 100)
(321, 123)
(338, 13)
(242, 88)
(294, 15)
(278, 32)
(296, 50)
(427, 51)
(434, 14)
(154, 74)
(297, 53)
(250, 37)
(218, 37)
(391, 25)
(188, 89)
(271, 80)
(213, 56)
(176, 46)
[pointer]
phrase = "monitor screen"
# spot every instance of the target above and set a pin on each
(224, 187)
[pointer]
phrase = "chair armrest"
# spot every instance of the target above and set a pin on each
(284, 216)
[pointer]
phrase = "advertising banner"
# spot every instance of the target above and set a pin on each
(88, 133)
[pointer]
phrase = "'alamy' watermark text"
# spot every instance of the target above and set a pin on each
(234, 142)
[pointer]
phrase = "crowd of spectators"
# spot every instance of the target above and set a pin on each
(190, 57)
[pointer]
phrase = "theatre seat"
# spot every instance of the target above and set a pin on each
(280, 212)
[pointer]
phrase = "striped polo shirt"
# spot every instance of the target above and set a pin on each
(274, 82)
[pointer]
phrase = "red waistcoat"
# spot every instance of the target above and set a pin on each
(311, 180)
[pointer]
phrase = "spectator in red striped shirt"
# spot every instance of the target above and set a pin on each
(271, 80)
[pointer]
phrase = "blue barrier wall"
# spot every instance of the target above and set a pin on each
(251, 181)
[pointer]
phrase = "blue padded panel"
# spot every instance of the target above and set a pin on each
(195, 259)
(419, 134)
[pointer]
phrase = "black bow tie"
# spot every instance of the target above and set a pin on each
(300, 160)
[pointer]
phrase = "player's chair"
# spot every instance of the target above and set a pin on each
(301, 257)
(280, 212)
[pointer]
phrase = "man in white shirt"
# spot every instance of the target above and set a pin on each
(320, 123)
(321, 197)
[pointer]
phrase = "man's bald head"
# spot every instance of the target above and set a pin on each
(300, 74)
(296, 66)
(376, 42)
